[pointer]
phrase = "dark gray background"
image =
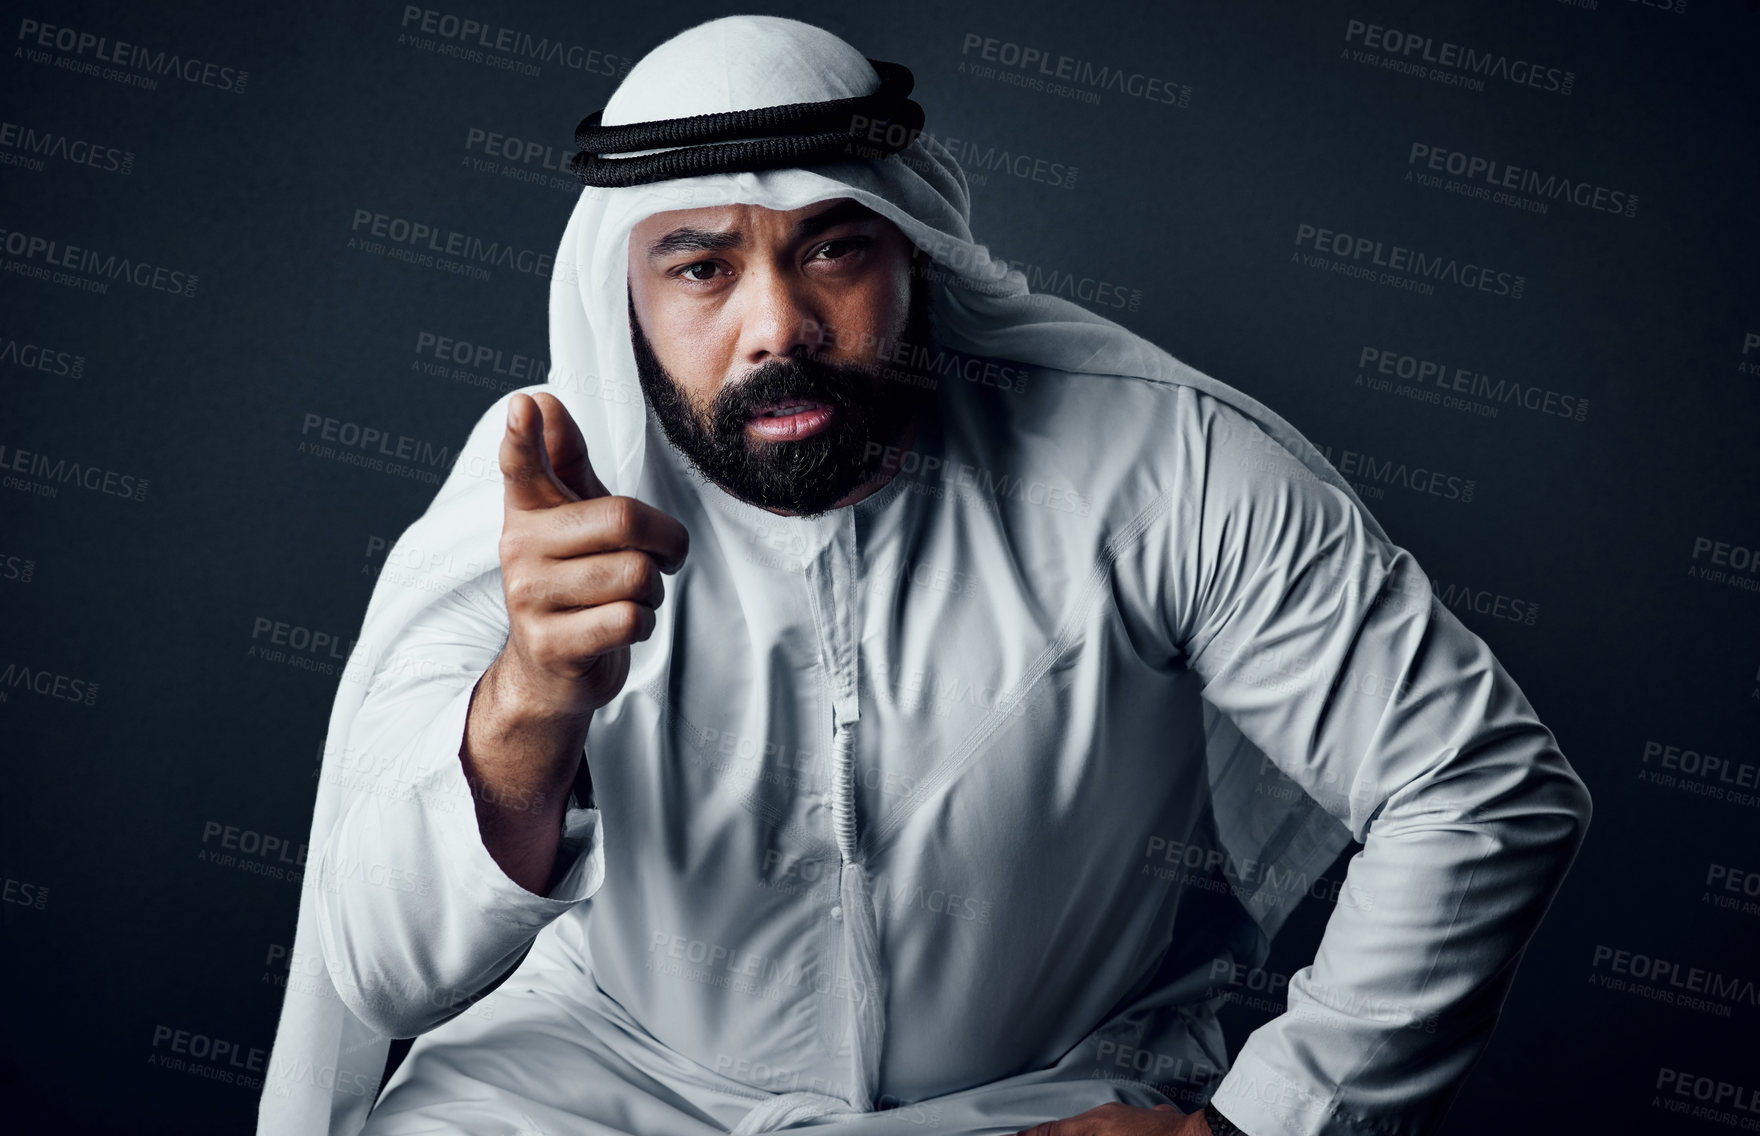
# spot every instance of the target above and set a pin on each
(119, 924)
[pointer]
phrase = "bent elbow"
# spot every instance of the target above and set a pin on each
(363, 980)
(1586, 806)
(381, 1004)
(1581, 806)
(1568, 808)
(389, 1016)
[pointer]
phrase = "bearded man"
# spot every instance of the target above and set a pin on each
(856, 693)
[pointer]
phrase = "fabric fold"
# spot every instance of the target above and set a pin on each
(982, 307)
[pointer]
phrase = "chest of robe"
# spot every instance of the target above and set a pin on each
(1025, 752)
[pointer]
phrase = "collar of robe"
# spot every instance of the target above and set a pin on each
(860, 128)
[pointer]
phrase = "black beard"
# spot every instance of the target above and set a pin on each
(806, 476)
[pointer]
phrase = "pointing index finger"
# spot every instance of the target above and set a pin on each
(567, 447)
(528, 478)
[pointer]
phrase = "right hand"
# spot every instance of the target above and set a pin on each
(580, 568)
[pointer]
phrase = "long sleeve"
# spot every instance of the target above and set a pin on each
(417, 919)
(1324, 644)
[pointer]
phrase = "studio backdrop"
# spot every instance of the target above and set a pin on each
(264, 267)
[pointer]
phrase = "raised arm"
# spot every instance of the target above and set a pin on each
(416, 915)
(460, 843)
(1324, 643)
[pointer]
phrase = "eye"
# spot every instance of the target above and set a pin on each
(700, 272)
(843, 248)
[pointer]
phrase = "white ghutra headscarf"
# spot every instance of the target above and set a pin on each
(326, 1064)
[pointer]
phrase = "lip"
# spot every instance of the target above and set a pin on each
(788, 427)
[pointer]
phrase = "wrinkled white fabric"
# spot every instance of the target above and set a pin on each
(962, 797)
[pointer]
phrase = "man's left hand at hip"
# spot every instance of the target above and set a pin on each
(1116, 1119)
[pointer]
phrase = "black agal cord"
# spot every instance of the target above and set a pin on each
(864, 127)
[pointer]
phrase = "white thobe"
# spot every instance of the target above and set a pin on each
(907, 805)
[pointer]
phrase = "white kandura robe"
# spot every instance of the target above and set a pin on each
(924, 806)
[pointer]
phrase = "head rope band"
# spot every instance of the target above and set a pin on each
(864, 127)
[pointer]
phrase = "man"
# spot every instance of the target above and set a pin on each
(854, 691)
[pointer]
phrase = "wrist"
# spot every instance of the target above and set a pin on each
(517, 761)
(521, 697)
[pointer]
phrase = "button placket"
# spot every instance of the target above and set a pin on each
(864, 985)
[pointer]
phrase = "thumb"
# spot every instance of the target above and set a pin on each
(529, 480)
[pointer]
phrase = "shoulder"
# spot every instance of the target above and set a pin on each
(1119, 441)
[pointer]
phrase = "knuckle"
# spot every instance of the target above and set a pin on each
(530, 590)
(539, 641)
(620, 513)
(639, 574)
(626, 621)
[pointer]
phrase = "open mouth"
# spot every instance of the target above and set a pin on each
(797, 418)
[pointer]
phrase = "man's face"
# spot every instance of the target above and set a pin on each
(757, 334)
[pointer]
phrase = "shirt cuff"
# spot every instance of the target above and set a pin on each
(1262, 1100)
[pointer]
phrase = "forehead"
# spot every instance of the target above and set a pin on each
(744, 217)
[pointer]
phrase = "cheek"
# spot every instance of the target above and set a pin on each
(879, 310)
(898, 291)
(901, 298)
(692, 344)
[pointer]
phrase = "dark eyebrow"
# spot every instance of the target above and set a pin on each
(843, 212)
(712, 240)
(695, 240)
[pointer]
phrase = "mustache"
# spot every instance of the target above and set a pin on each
(843, 386)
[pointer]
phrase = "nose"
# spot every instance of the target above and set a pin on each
(779, 319)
